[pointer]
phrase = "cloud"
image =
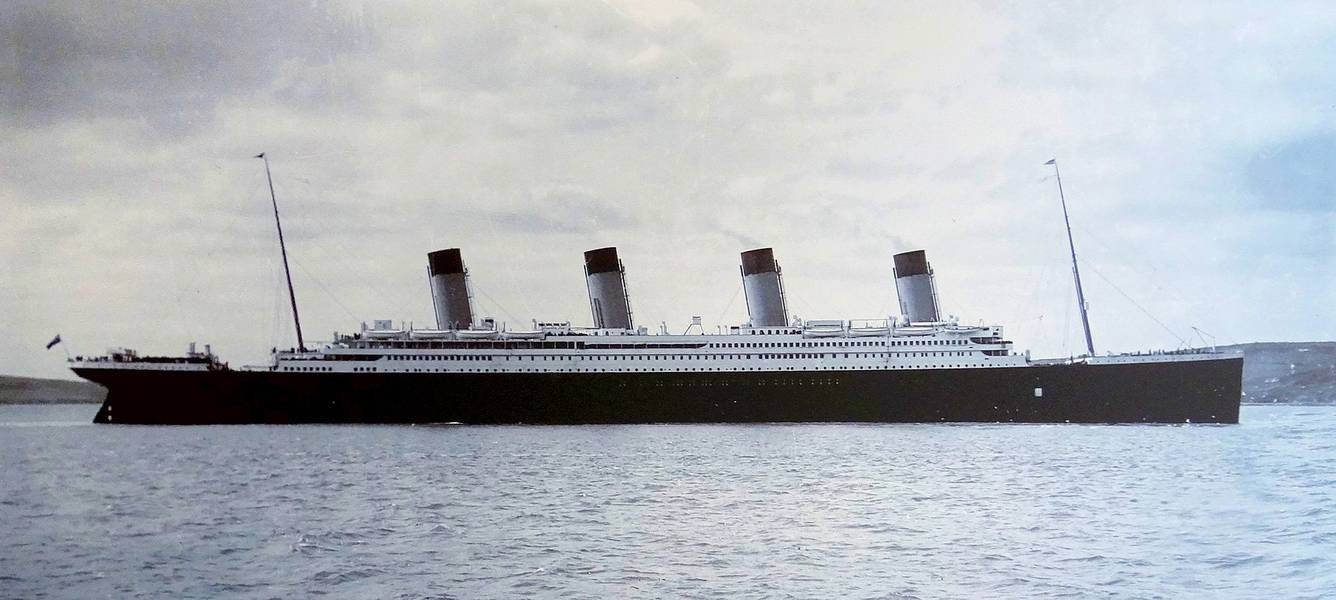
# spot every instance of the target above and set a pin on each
(564, 211)
(1295, 175)
(1191, 138)
(167, 64)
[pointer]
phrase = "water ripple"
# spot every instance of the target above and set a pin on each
(771, 511)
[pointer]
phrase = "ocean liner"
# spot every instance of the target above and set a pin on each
(917, 367)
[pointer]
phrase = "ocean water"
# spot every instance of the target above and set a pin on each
(716, 511)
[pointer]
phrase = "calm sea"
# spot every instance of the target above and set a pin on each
(769, 511)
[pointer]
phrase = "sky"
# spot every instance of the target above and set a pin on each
(1194, 139)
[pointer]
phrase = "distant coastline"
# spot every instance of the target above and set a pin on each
(1298, 373)
(31, 390)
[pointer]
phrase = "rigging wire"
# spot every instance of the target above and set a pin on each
(277, 320)
(1139, 307)
(343, 250)
(332, 295)
(1157, 286)
(509, 274)
(1066, 326)
(498, 306)
(800, 300)
(1040, 280)
(273, 282)
(1020, 313)
(1156, 283)
(1155, 271)
(736, 291)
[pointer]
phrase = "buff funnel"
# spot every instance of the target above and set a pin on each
(450, 289)
(606, 279)
(763, 285)
(915, 286)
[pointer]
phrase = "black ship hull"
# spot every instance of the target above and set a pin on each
(1197, 391)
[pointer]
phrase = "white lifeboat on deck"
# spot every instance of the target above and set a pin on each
(430, 334)
(814, 328)
(477, 334)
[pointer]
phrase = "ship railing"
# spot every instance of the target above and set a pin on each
(131, 358)
(1177, 351)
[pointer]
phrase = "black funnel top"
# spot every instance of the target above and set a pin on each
(914, 262)
(761, 260)
(602, 260)
(443, 262)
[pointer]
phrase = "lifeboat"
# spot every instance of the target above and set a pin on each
(522, 335)
(430, 334)
(477, 334)
(823, 329)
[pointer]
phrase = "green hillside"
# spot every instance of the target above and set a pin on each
(1289, 372)
(29, 390)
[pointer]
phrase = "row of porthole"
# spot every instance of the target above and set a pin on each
(895, 343)
(761, 382)
(831, 356)
(448, 357)
(694, 370)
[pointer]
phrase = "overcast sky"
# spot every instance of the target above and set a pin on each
(1196, 142)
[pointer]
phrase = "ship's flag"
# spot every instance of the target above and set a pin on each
(53, 342)
(1052, 161)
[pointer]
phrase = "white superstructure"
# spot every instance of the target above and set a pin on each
(809, 347)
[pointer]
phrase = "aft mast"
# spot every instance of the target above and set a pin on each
(301, 344)
(1076, 271)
